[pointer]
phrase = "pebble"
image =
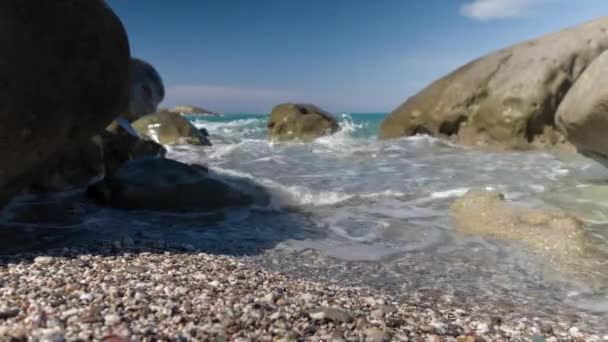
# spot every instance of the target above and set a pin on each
(112, 319)
(375, 335)
(9, 313)
(171, 295)
(44, 260)
(331, 314)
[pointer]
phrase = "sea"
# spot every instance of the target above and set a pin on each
(358, 211)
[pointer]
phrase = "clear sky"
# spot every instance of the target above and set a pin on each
(344, 55)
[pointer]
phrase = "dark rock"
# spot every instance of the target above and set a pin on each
(305, 122)
(64, 77)
(168, 185)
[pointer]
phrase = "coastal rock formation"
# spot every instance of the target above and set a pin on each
(583, 114)
(147, 89)
(65, 72)
(550, 233)
(168, 185)
(192, 110)
(306, 122)
(99, 156)
(506, 99)
(170, 128)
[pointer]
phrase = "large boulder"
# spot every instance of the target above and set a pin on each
(93, 159)
(305, 122)
(65, 75)
(583, 114)
(169, 128)
(506, 99)
(168, 185)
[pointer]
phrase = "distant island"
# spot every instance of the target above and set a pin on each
(185, 109)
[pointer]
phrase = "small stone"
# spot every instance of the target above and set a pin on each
(44, 260)
(331, 314)
(538, 338)
(112, 319)
(376, 335)
(434, 338)
(9, 313)
(546, 329)
(574, 332)
(135, 269)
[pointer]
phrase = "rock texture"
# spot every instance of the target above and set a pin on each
(93, 159)
(170, 128)
(147, 89)
(583, 114)
(168, 185)
(305, 122)
(506, 99)
(550, 233)
(65, 72)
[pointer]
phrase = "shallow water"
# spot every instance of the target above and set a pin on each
(380, 207)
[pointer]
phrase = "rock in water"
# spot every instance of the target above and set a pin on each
(506, 99)
(170, 128)
(550, 233)
(168, 185)
(65, 76)
(583, 114)
(305, 122)
(147, 89)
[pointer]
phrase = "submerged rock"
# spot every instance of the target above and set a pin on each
(168, 185)
(583, 114)
(306, 122)
(506, 99)
(170, 128)
(65, 77)
(554, 234)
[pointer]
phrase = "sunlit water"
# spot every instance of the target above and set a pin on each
(382, 204)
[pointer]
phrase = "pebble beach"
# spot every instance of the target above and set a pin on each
(116, 294)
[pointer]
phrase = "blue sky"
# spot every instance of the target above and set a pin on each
(344, 55)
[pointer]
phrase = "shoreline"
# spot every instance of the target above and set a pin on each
(113, 293)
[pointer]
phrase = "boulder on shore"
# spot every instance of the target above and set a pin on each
(583, 114)
(168, 185)
(93, 159)
(506, 99)
(65, 72)
(305, 122)
(169, 128)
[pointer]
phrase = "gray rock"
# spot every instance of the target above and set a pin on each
(147, 89)
(506, 99)
(168, 185)
(583, 114)
(332, 314)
